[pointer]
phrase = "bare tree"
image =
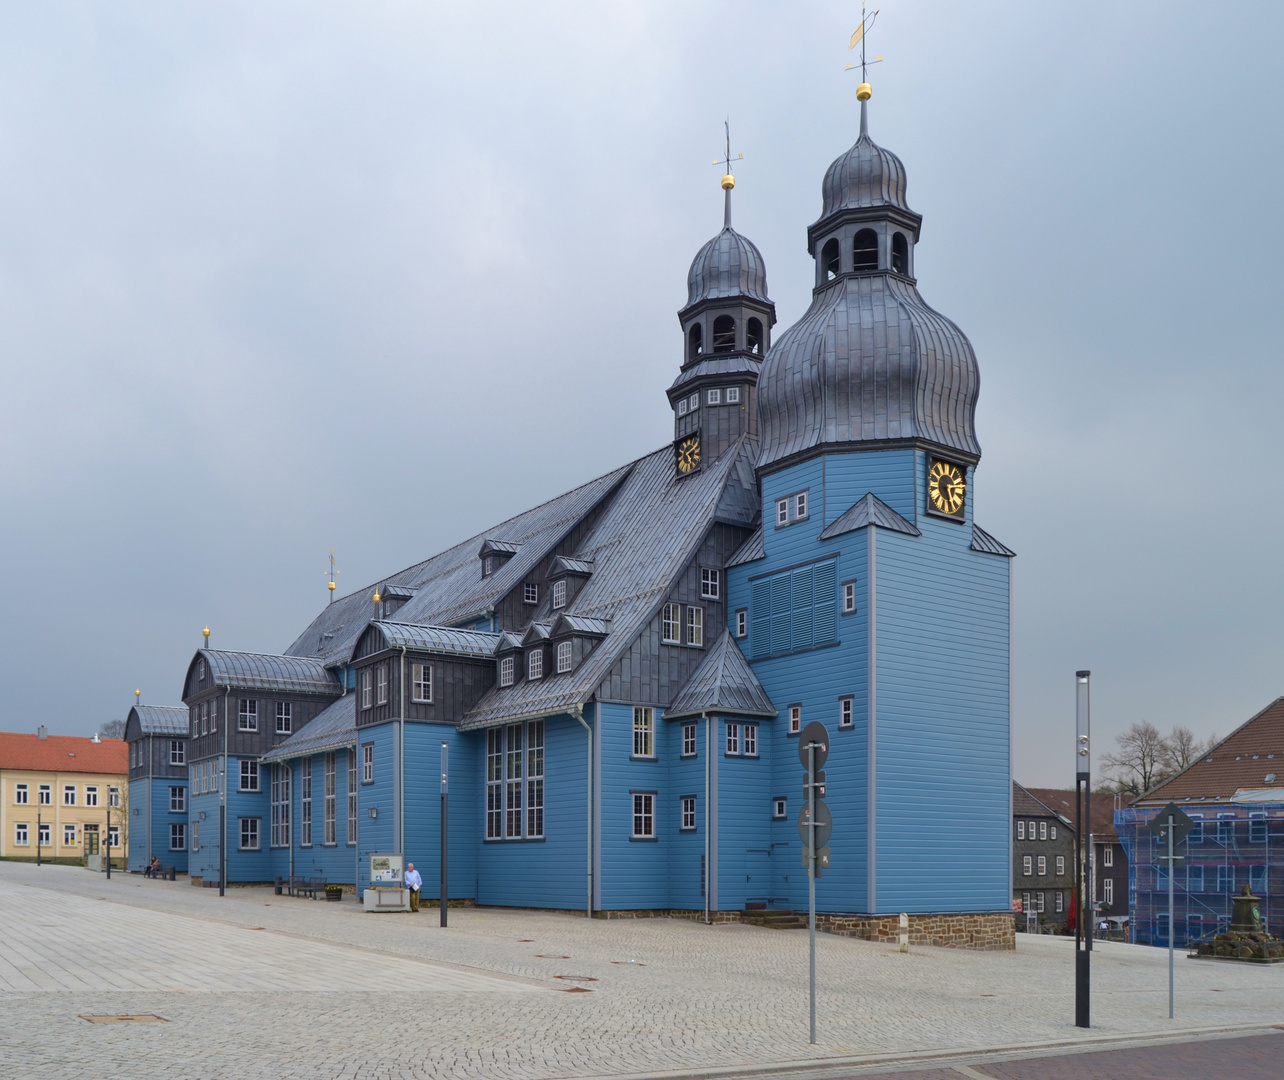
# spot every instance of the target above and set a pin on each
(113, 729)
(1139, 763)
(1181, 750)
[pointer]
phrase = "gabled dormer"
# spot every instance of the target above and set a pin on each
(495, 553)
(566, 577)
(572, 638)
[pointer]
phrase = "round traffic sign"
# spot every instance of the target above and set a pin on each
(814, 732)
(824, 823)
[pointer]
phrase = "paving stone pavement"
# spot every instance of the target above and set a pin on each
(255, 985)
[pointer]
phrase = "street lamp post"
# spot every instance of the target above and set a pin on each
(108, 834)
(445, 788)
(1082, 811)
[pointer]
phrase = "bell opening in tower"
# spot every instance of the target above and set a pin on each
(724, 334)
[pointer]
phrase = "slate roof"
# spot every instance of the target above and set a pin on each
(63, 753)
(869, 510)
(1026, 804)
(449, 587)
(727, 266)
(331, 729)
(161, 719)
(578, 624)
(718, 364)
(866, 175)
(1101, 810)
(751, 550)
(723, 684)
(564, 565)
(983, 541)
(265, 671)
(1243, 759)
(438, 639)
(645, 537)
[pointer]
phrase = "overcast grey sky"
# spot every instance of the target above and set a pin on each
(276, 278)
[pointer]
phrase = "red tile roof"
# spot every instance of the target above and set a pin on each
(1102, 810)
(63, 753)
(1243, 759)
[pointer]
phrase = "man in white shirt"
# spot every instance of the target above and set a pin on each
(414, 883)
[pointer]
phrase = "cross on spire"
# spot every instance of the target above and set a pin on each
(728, 181)
(864, 91)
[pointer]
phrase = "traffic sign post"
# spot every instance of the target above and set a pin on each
(815, 823)
(1171, 825)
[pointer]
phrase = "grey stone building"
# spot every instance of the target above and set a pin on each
(1042, 863)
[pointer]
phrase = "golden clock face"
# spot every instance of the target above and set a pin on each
(689, 454)
(946, 487)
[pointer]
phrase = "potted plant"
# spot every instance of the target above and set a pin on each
(334, 892)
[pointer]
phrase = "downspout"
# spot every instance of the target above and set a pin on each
(577, 711)
(400, 816)
(222, 796)
(708, 752)
(871, 725)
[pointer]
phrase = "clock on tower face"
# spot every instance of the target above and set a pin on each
(946, 487)
(687, 452)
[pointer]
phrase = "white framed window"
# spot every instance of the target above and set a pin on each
(779, 808)
(331, 799)
(177, 752)
(1043, 865)
(284, 718)
(214, 716)
(733, 395)
(671, 624)
(46, 794)
(249, 776)
(682, 407)
(249, 834)
(1021, 830)
(352, 797)
(1059, 901)
(513, 782)
(643, 731)
(710, 583)
(200, 670)
(733, 739)
(849, 597)
(507, 671)
(20, 838)
(1033, 829)
(113, 797)
(381, 684)
(693, 402)
(1052, 833)
(800, 506)
(742, 622)
(69, 795)
(795, 719)
(196, 836)
(1043, 830)
(1027, 865)
(559, 593)
(1039, 899)
(534, 779)
(1108, 890)
(713, 397)
(178, 836)
(530, 593)
(280, 822)
(689, 740)
(367, 763)
(643, 815)
(535, 664)
(782, 511)
(177, 800)
(305, 802)
(113, 836)
(563, 657)
(421, 683)
(367, 691)
(495, 784)
(1061, 864)
(247, 715)
(751, 740)
(688, 809)
(695, 626)
(20, 794)
(69, 836)
(1108, 855)
(43, 836)
(202, 722)
(845, 711)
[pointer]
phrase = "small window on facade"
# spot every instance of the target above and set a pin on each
(643, 731)
(688, 804)
(800, 505)
(284, 717)
(751, 740)
(688, 740)
(1043, 865)
(530, 593)
(1033, 830)
(779, 808)
(644, 815)
(249, 834)
(421, 682)
(249, 776)
(177, 752)
(900, 254)
(1027, 865)
(1061, 864)
(381, 684)
(733, 395)
(710, 583)
(46, 794)
(742, 622)
(1020, 830)
(69, 836)
(695, 626)
(1108, 890)
(782, 511)
(671, 624)
(724, 334)
(20, 834)
(829, 260)
(200, 671)
(367, 694)
(1039, 900)
(559, 593)
(714, 397)
(1052, 833)
(563, 657)
(795, 719)
(247, 715)
(693, 402)
(1060, 897)
(845, 712)
(488, 565)
(865, 250)
(1043, 830)
(1107, 856)
(506, 671)
(535, 664)
(695, 341)
(682, 407)
(753, 337)
(849, 597)
(733, 738)
(367, 763)
(69, 795)
(20, 794)
(178, 836)
(91, 795)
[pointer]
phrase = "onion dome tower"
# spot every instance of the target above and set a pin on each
(869, 365)
(726, 330)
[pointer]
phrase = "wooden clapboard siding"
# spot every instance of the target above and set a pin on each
(423, 807)
(374, 835)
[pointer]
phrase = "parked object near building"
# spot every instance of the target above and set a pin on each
(1234, 794)
(55, 792)
(1042, 859)
(157, 739)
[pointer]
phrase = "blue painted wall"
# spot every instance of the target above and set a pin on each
(423, 808)
(745, 859)
(336, 862)
(154, 818)
(375, 835)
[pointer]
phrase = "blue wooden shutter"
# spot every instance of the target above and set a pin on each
(780, 612)
(825, 601)
(760, 618)
(801, 613)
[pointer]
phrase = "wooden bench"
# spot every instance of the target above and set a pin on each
(310, 886)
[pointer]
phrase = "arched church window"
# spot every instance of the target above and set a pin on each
(865, 250)
(724, 333)
(829, 260)
(695, 342)
(900, 254)
(753, 336)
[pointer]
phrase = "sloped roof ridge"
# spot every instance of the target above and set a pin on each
(868, 510)
(1035, 799)
(333, 727)
(161, 719)
(983, 541)
(724, 683)
(751, 550)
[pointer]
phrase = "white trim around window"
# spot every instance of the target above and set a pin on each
(846, 711)
(421, 683)
(247, 715)
(795, 719)
(687, 810)
(643, 731)
(284, 718)
(643, 815)
(507, 671)
(559, 593)
(535, 664)
(695, 626)
(690, 743)
(710, 583)
(671, 624)
(563, 657)
(367, 763)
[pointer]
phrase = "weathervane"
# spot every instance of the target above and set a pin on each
(331, 584)
(728, 181)
(864, 91)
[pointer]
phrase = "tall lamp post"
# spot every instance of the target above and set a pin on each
(1082, 813)
(445, 791)
(108, 834)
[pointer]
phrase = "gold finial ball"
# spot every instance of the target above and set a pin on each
(376, 596)
(138, 693)
(728, 182)
(206, 633)
(331, 585)
(864, 92)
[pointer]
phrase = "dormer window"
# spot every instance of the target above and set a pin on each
(506, 671)
(695, 342)
(682, 407)
(563, 657)
(865, 250)
(693, 402)
(559, 593)
(753, 336)
(733, 395)
(829, 260)
(535, 664)
(715, 397)
(900, 254)
(724, 334)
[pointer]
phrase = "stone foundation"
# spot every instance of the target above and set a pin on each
(991, 931)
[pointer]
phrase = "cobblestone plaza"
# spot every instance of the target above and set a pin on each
(256, 985)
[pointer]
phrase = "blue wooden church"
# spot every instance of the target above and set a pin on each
(621, 674)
